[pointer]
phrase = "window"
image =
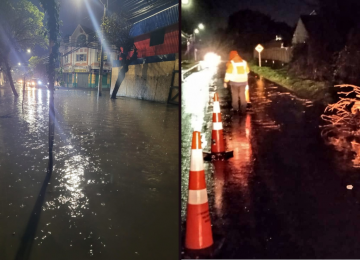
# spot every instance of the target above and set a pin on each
(157, 37)
(98, 56)
(80, 57)
(81, 40)
(66, 58)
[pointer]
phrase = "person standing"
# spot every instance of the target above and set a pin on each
(236, 76)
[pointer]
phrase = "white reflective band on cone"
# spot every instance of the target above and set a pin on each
(216, 107)
(196, 162)
(197, 197)
(217, 126)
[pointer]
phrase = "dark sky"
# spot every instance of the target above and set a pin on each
(216, 12)
(74, 12)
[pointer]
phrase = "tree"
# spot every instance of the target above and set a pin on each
(21, 27)
(116, 29)
(348, 60)
(51, 8)
(251, 28)
(36, 65)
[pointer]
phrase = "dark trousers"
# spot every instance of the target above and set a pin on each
(238, 93)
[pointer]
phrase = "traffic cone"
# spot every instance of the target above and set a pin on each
(217, 135)
(198, 224)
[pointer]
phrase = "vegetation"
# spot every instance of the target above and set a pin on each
(304, 88)
(332, 53)
(249, 28)
(36, 65)
(21, 27)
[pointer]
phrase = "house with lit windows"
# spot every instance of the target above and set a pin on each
(80, 59)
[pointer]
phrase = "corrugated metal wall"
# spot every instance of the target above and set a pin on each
(163, 19)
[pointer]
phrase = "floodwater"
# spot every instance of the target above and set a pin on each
(286, 192)
(114, 190)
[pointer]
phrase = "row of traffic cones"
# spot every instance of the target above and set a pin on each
(198, 223)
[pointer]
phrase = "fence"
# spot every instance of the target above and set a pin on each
(277, 54)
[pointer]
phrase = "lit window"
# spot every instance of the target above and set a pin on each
(66, 58)
(80, 57)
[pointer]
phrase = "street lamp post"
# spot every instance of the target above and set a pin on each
(196, 30)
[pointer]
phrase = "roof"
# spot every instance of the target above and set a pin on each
(312, 24)
(156, 21)
(137, 10)
(87, 30)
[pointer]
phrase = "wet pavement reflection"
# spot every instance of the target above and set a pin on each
(285, 192)
(113, 193)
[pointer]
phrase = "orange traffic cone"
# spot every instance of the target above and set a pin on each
(198, 224)
(217, 135)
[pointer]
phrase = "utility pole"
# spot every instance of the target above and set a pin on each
(101, 55)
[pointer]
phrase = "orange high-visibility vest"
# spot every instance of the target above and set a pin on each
(237, 72)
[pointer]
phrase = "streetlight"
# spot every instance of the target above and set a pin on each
(28, 51)
(196, 30)
(19, 64)
(185, 2)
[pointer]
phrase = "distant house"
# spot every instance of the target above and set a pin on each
(307, 25)
(80, 59)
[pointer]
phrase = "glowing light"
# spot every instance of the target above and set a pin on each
(39, 82)
(211, 60)
(201, 26)
(196, 30)
(33, 83)
(28, 50)
(19, 64)
(185, 2)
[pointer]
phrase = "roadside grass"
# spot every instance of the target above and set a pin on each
(303, 88)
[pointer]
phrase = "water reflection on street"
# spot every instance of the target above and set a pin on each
(114, 190)
(289, 191)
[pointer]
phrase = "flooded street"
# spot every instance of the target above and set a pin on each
(284, 193)
(114, 190)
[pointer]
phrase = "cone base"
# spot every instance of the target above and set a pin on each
(218, 156)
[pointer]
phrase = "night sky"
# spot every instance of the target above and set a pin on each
(74, 12)
(214, 13)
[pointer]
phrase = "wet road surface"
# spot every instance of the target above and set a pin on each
(114, 190)
(284, 193)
